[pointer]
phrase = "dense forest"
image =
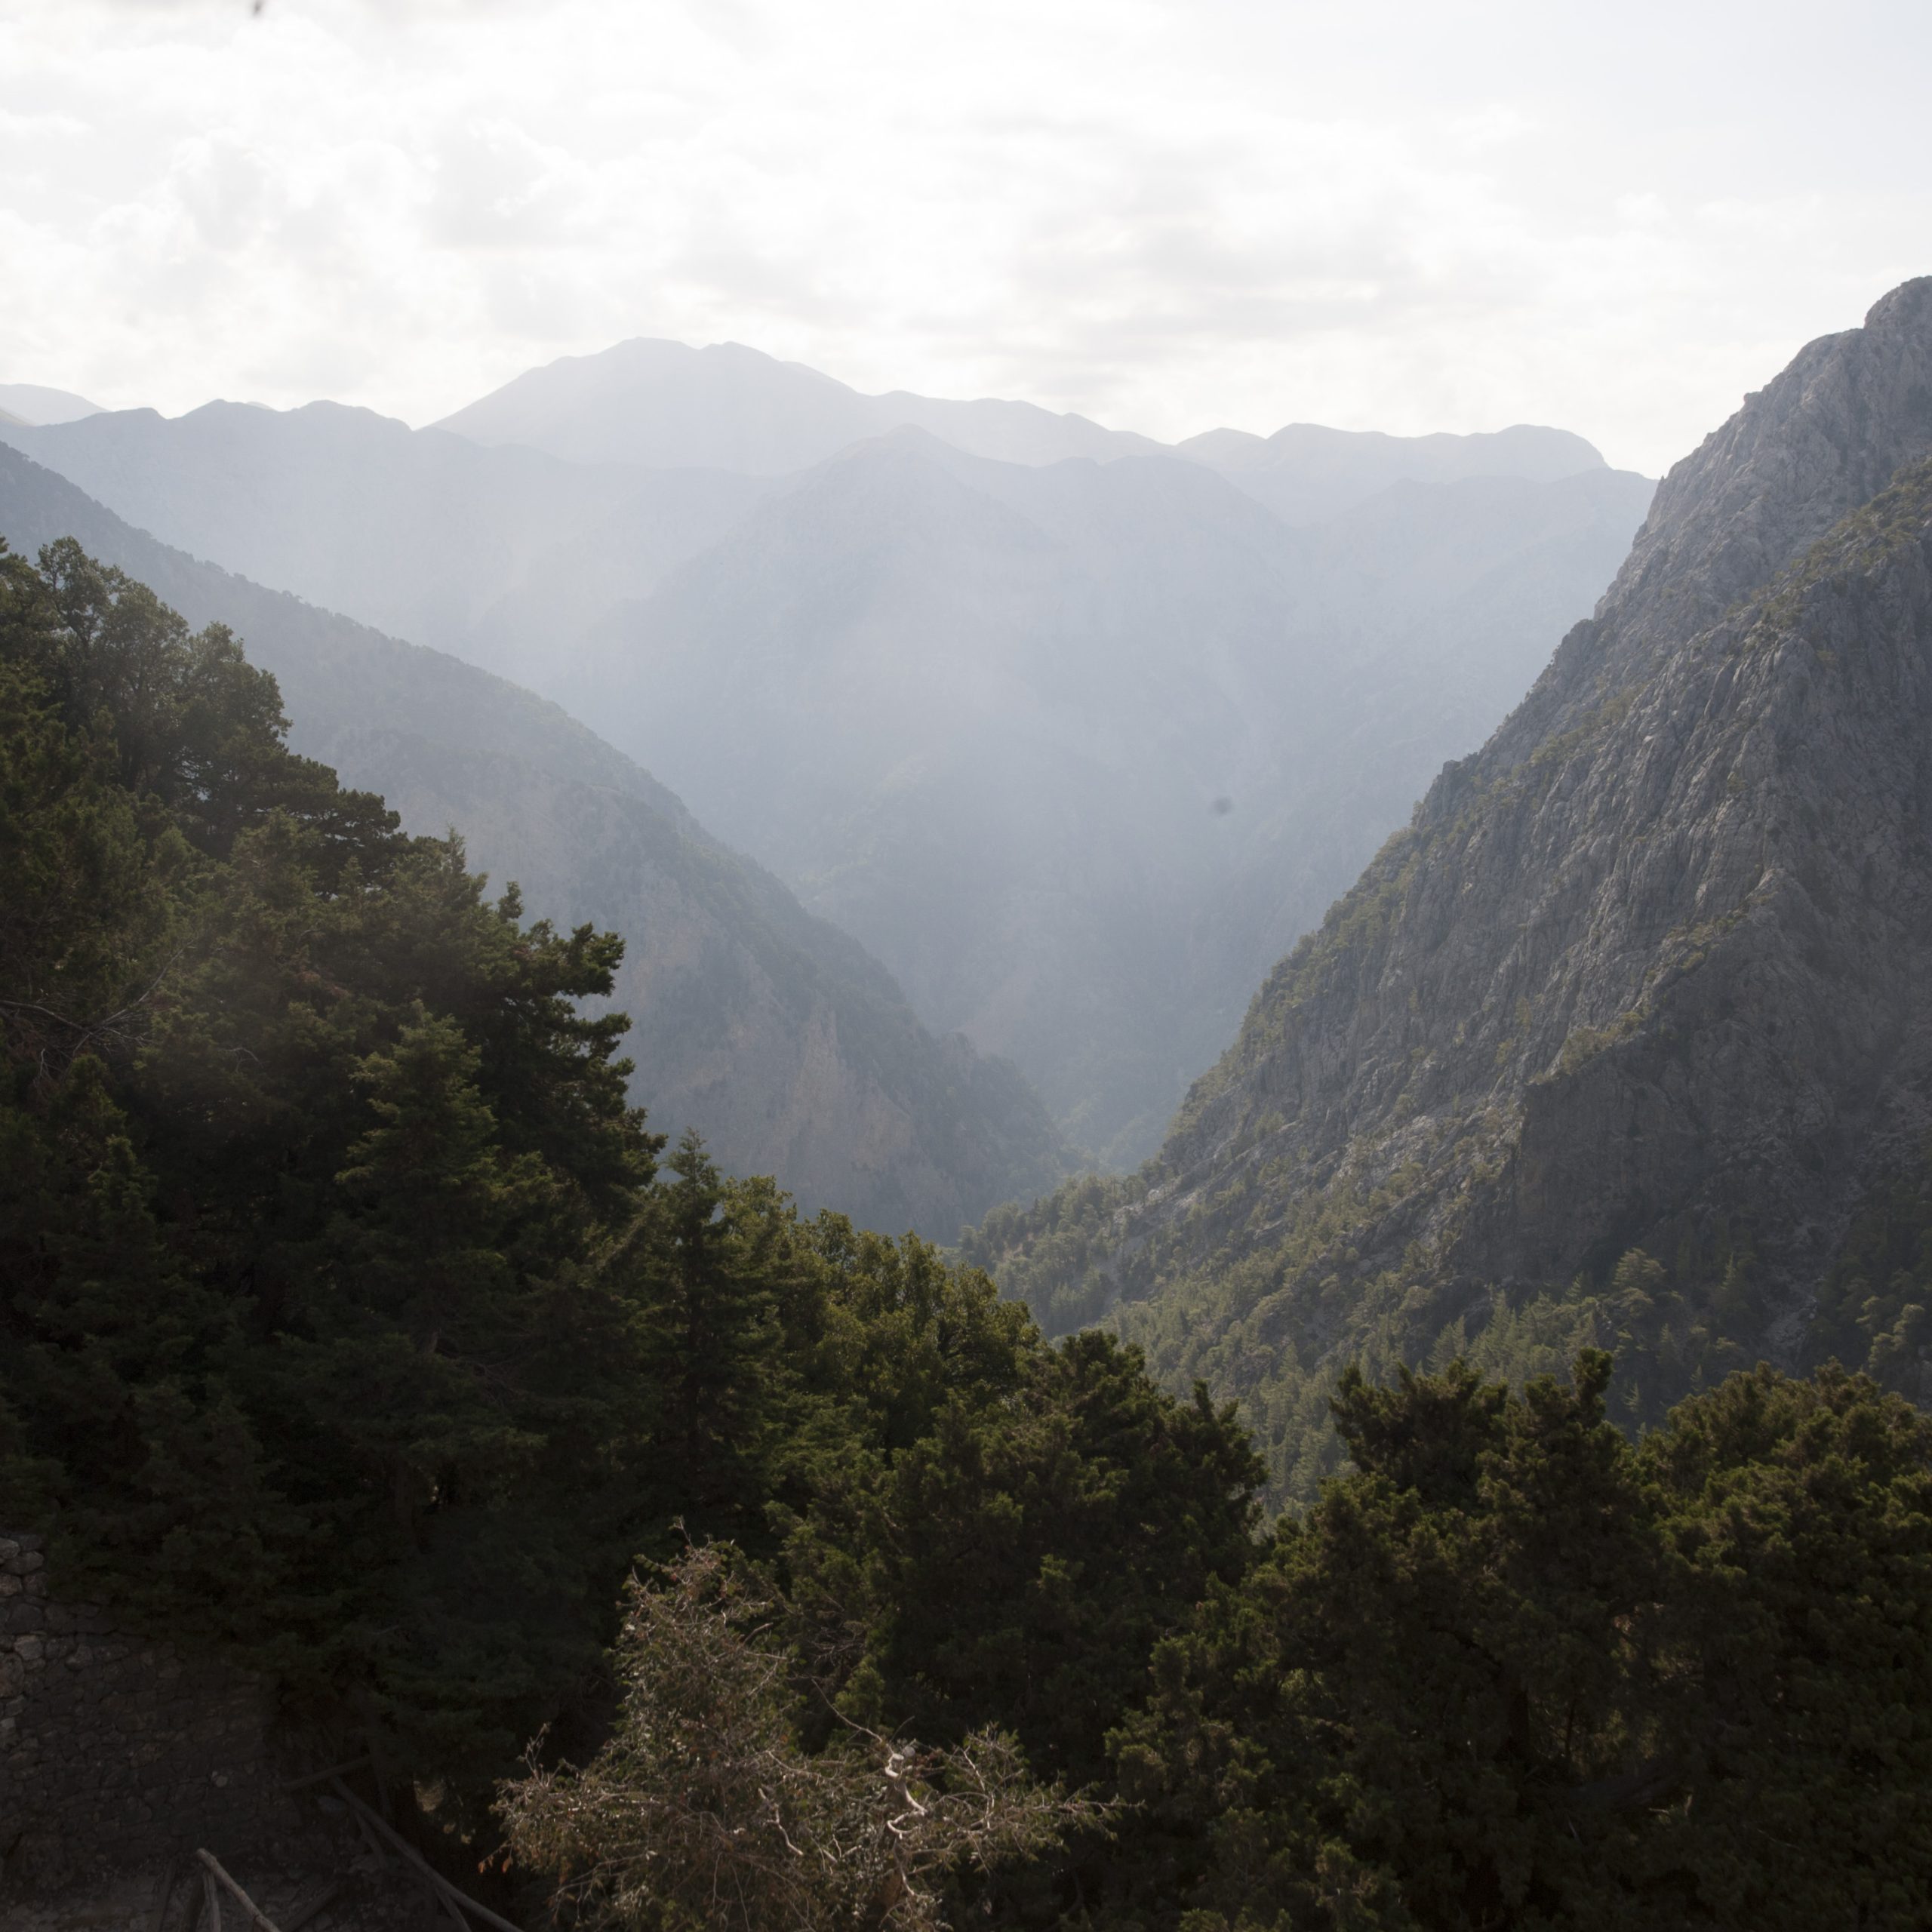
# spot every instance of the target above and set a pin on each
(718, 1566)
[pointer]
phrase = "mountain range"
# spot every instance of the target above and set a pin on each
(1623, 1038)
(1073, 737)
(1075, 733)
(1078, 749)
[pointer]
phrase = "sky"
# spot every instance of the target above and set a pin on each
(1408, 215)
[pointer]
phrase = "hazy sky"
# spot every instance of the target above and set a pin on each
(1410, 216)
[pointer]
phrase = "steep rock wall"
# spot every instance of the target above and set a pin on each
(1648, 970)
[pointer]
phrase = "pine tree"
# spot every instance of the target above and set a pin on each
(711, 1347)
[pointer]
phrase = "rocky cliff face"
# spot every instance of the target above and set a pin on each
(1646, 972)
(776, 1035)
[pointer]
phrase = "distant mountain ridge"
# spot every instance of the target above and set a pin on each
(664, 405)
(777, 1036)
(1307, 473)
(29, 404)
(1644, 977)
(1076, 746)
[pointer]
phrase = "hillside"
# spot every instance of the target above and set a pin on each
(774, 1034)
(1624, 1035)
(1076, 750)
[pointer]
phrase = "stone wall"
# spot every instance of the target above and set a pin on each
(115, 1749)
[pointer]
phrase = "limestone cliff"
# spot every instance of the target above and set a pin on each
(1648, 971)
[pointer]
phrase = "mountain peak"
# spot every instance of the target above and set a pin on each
(1826, 434)
(31, 404)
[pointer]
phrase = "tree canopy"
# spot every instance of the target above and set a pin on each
(352, 1319)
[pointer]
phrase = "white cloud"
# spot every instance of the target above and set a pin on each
(1403, 215)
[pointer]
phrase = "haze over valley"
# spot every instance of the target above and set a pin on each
(965, 967)
(1075, 734)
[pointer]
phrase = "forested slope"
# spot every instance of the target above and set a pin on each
(770, 1032)
(351, 1319)
(352, 1325)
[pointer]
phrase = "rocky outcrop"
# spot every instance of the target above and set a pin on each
(1648, 970)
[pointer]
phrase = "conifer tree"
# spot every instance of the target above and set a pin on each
(712, 1346)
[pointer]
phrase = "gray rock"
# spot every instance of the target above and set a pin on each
(1644, 970)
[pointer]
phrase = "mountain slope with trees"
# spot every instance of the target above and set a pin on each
(774, 1034)
(352, 1321)
(1624, 1036)
(354, 1325)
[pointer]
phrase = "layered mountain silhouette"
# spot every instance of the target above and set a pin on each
(1077, 747)
(29, 404)
(776, 1035)
(489, 553)
(1634, 1013)
(666, 406)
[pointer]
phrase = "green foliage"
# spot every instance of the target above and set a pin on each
(349, 1320)
(310, 1163)
(702, 1273)
(1017, 1562)
(1516, 1671)
(1049, 1253)
(1872, 1309)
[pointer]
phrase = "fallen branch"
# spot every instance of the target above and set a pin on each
(461, 1901)
(212, 1872)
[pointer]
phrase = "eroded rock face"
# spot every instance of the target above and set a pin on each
(1648, 970)
(1626, 926)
